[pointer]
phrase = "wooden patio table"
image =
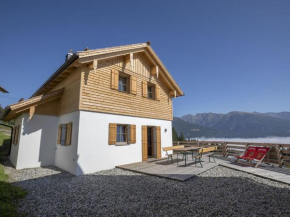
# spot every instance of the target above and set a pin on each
(185, 150)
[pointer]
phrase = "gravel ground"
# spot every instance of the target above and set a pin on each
(216, 192)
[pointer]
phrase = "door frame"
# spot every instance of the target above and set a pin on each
(156, 142)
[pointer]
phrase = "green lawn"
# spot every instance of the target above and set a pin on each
(9, 194)
(3, 137)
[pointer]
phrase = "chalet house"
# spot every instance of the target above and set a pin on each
(101, 108)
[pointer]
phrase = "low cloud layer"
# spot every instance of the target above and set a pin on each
(280, 140)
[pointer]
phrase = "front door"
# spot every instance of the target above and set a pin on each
(151, 142)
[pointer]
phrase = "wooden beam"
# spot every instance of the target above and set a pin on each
(31, 112)
(86, 60)
(155, 71)
(173, 93)
(93, 65)
(131, 60)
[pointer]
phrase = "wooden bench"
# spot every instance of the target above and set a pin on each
(171, 148)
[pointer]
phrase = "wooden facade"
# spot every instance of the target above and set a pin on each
(100, 95)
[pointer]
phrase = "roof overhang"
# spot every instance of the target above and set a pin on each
(3, 90)
(14, 110)
(61, 73)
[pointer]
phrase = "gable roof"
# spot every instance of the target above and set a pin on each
(85, 57)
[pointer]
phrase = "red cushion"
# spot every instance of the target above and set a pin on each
(254, 153)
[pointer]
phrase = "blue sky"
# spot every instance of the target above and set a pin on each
(225, 55)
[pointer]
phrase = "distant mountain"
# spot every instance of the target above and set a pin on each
(283, 115)
(241, 124)
(193, 130)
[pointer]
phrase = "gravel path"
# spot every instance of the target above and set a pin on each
(217, 192)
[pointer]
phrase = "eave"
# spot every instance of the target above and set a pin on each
(3, 90)
(14, 110)
(61, 73)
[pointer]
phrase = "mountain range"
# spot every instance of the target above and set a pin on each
(234, 125)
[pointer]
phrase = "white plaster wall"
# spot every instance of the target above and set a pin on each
(66, 156)
(14, 148)
(94, 153)
(36, 145)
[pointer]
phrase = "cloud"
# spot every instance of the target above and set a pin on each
(279, 140)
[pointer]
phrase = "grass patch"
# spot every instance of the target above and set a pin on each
(3, 138)
(9, 194)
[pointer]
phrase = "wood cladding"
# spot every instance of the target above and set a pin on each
(97, 94)
(49, 108)
(69, 102)
(140, 65)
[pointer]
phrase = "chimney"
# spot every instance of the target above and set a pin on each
(69, 54)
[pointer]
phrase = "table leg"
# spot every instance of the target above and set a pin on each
(185, 157)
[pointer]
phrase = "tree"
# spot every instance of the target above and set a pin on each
(1, 110)
(181, 137)
(174, 134)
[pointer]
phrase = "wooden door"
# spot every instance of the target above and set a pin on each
(158, 142)
(144, 144)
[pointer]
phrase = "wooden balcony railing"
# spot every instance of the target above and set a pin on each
(279, 153)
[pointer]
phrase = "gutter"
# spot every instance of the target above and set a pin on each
(10, 138)
(57, 73)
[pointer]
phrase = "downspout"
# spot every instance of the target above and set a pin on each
(10, 137)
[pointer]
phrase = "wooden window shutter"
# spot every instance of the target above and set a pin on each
(133, 134)
(68, 133)
(112, 134)
(114, 79)
(144, 144)
(157, 92)
(158, 138)
(17, 128)
(59, 134)
(128, 134)
(144, 89)
(14, 133)
(133, 86)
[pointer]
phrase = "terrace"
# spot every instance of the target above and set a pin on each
(274, 165)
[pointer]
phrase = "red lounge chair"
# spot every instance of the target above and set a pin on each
(256, 154)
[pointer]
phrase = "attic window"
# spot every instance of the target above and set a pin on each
(150, 91)
(123, 81)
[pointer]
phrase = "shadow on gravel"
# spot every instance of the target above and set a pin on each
(121, 193)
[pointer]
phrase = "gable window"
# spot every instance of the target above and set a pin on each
(122, 84)
(64, 134)
(150, 91)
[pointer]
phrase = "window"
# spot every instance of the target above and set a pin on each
(121, 133)
(64, 134)
(150, 91)
(122, 84)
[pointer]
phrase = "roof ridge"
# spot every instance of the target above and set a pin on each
(114, 47)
